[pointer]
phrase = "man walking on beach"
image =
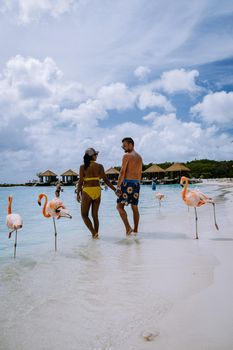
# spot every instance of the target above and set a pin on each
(128, 185)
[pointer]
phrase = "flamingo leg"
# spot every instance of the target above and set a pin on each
(10, 233)
(196, 222)
(55, 234)
(215, 222)
(15, 245)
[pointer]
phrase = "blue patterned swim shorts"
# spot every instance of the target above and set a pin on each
(130, 192)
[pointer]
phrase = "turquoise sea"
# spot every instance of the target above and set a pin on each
(100, 294)
(37, 234)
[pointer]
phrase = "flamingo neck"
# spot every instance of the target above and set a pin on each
(46, 215)
(184, 192)
(9, 205)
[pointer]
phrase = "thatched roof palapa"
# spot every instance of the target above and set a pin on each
(48, 173)
(69, 173)
(112, 171)
(177, 167)
(154, 169)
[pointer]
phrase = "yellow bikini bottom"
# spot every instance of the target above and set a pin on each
(93, 192)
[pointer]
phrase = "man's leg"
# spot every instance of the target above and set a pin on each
(85, 207)
(123, 215)
(136, 217)
(95, 209)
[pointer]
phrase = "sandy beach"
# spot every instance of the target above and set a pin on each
(112, 293)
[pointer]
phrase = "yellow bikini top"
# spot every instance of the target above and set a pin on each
(90, 178)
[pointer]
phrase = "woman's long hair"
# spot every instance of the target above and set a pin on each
(87, 161)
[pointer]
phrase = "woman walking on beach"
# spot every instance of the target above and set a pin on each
(89, 190)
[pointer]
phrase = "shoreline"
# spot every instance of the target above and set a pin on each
(217, 181)
(214, 181)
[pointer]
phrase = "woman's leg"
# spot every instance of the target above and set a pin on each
(85, 207)
(95, 209)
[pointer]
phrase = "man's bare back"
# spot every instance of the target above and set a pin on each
(131, 167)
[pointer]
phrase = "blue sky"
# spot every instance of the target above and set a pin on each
(81, 73)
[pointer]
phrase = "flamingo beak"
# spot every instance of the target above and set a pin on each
(39, 203)
(67, 215)
(63, 213)
(182, 185)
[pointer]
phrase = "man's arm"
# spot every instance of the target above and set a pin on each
(121, 177)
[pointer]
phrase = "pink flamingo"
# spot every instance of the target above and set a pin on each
(14, 222)
(55, 209)
(160, 197)
(195, 199)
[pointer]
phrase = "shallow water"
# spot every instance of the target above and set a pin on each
(101, 294)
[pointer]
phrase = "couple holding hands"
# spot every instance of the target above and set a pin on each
(127, 190)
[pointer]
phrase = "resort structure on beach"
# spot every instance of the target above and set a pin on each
(48, 177)
(165, 176)
(164, 173)
(112, 174)
(70, 177)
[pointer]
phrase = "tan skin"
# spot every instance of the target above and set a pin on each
(132, 170)
(95, 170)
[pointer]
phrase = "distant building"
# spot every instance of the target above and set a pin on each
(69, 177)
(47, 177)
(154, 171)
(112, 174)
(177, 170)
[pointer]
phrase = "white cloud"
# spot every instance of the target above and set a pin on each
(216, 107)
(181, 141)
(142, 72)
(179, 80)
(148, 99)
(21, 70)
(51, 121)
(87, 114)
(172, 82)
(136, 33)
(32, 10)
(35, 89)
(116, 96)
